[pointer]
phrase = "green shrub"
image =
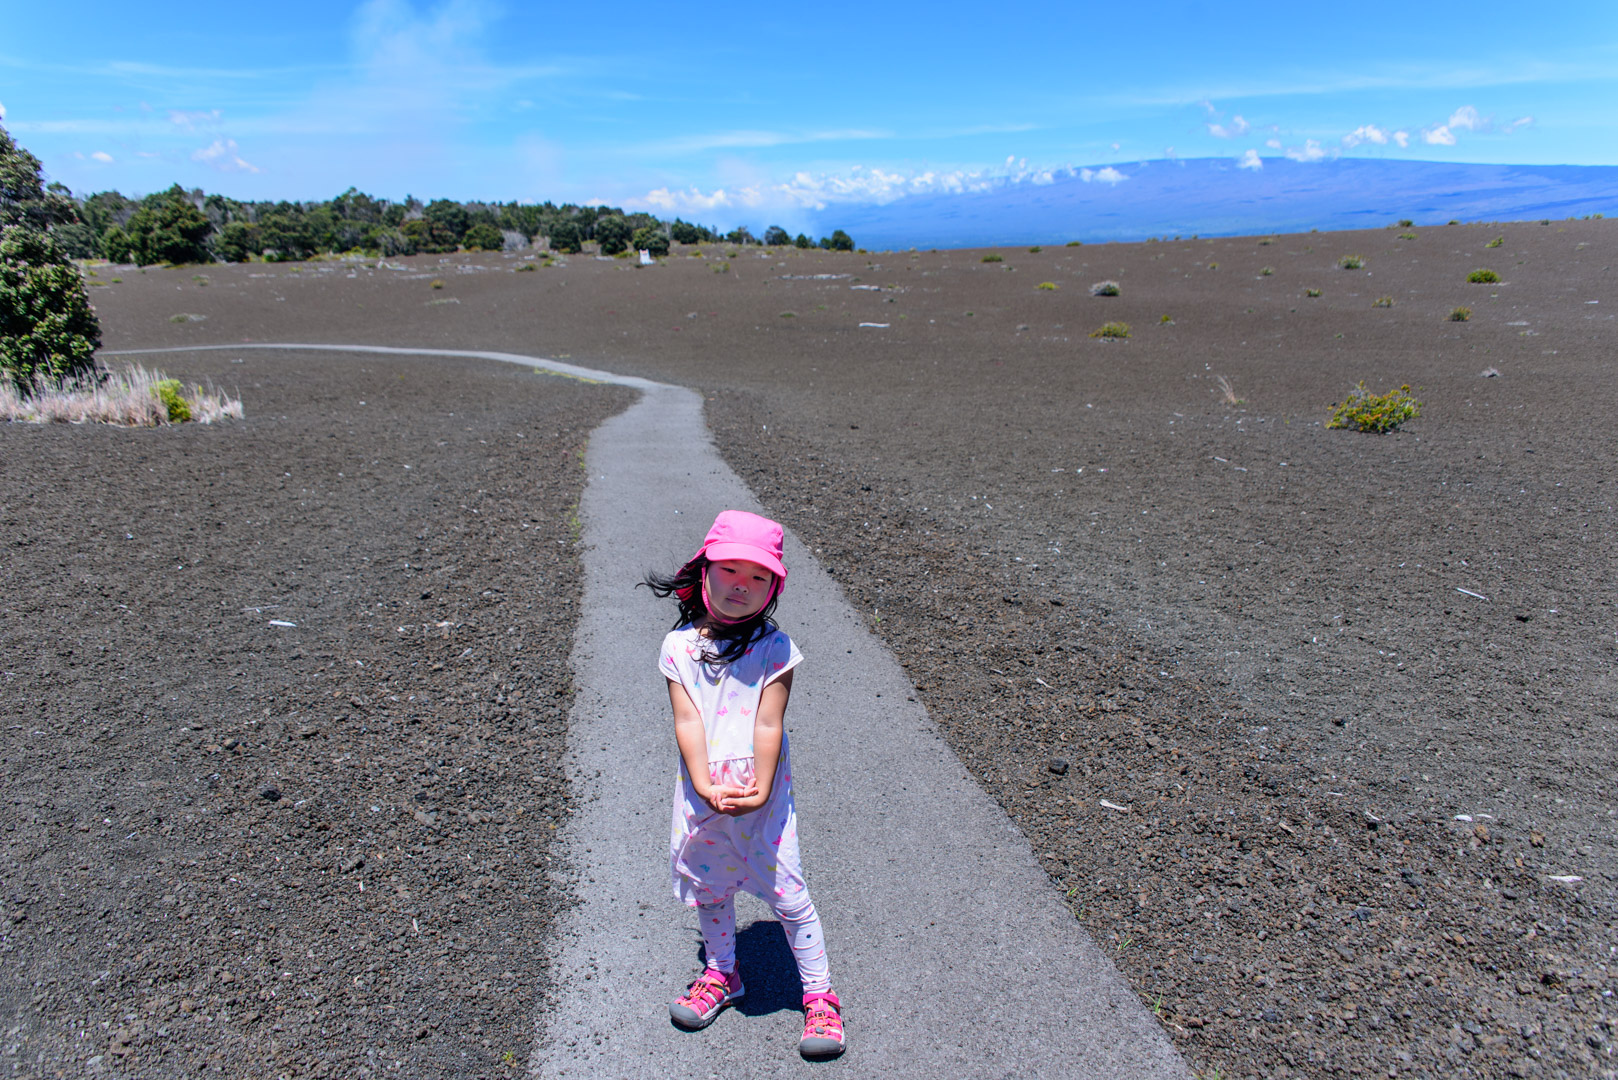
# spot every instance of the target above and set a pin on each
(653, 240)
(1165, 320)
(1213, 266)
(168, 392)
(565, 238)
(1035, 250)
(1111, 330)
(1377, 413)
(1266, 271)
(1075, 243)
(1382, 301)
(1460, 314)
(1351, 262)
(991, 258)
(1496, 242)
(1105, 288)
(613, 233)
(435, 283)
(1048, 286)
(1311, 292)
(1405, 223)
(526, 267)
(1483, 277)
(1407, 236)
(484, 237)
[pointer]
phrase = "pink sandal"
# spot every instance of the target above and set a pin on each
(822, 1026)
(703, 1000)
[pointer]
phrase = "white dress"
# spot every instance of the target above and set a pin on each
(712, 855)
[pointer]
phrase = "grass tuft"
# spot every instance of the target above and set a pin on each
(1376, 413)
(1382, 301)
(1460, 314)
(435, 283)
(1352, 262)
(1047, 286)
(1035, 250)
(991, 257)
(1111, 330)
(1266, 271)
(1311, 292)
(1105, 288)
(1483, 277)
(1496, 242)
(134, 397)
(1227, 392)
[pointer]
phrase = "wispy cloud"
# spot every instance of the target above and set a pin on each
(1309, 151)
(737, 140)
(1251, 160)
(1236, 129)
(1366, 133)
(190, 121)
(222, 154)
(101, 156)
(815, 191)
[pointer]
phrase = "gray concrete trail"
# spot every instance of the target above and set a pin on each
(952, 953)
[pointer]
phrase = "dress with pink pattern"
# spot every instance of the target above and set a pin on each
(712, 855)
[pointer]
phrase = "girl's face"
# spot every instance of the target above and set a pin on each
(738, 590)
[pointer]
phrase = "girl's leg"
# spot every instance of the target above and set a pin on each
(719, 933)
(804, 934)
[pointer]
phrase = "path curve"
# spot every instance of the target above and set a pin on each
(952, 951)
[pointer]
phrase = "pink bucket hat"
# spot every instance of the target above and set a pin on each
(736, 534)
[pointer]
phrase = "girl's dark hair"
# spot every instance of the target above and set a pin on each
(728, 640)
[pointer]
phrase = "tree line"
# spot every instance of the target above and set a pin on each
(180, 226)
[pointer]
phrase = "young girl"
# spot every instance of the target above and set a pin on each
(730, 671)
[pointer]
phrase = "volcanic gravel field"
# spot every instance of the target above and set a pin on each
(1311, 728)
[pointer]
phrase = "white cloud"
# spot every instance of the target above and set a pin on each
(1520, 122)
(1366, 133)
(1466, 119)
(1311, 151)
(1251, 160)
(1402, 138)
(1238, 127)
(1438, 136)
(222, 155)
(2, 110)
(190, 120)
(815, 191)
(1273, 144)
(101, 156)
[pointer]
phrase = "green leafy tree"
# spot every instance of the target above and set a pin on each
(613, 234)
(47, 326)
(684, 232)
(840, 241)
(485, 237)
(168, 228)
(449, 218)
(803, 241)
(116, 246)
(565, 238)
(288, 235)
(238, 241)
(741, 236)
(652, 238)
(775, 236)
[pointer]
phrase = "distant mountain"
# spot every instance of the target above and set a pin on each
(1215, 197)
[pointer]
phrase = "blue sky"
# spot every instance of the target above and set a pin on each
(755, 114)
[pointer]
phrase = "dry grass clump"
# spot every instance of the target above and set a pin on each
(1382, 301)
(1351, 262)
(1460, 314)
(1105, 288)
(1227, 392)
(1111, 330)
(134, 397)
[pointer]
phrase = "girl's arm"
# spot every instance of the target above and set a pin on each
(767, 727)
(692, 739)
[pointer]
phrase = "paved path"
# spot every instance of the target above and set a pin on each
(952, 952)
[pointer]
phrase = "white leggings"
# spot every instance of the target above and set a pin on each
(802, 926)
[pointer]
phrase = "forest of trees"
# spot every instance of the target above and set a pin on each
(180, 226)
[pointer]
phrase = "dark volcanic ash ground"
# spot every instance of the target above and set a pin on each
(1329, 812)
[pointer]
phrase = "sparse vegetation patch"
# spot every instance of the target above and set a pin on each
(1460, 314)
(1351, 262)
(1105, 288)
(1376, 413)
(134, 397)
(1483, 277)
(1111, 330)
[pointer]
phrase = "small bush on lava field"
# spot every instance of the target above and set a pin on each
(1105, 288)
(1496, 242)
(1483, 277)
(1352, 262)
(133, 398)
(1377, 413)
(1047, 286)
(1460, 314)
(1382, 301)
(991, 258)
(1311, 292)
(1267, 271)
(168, 392)
(1035, 250)
(1407, 236)
(1111, 330)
